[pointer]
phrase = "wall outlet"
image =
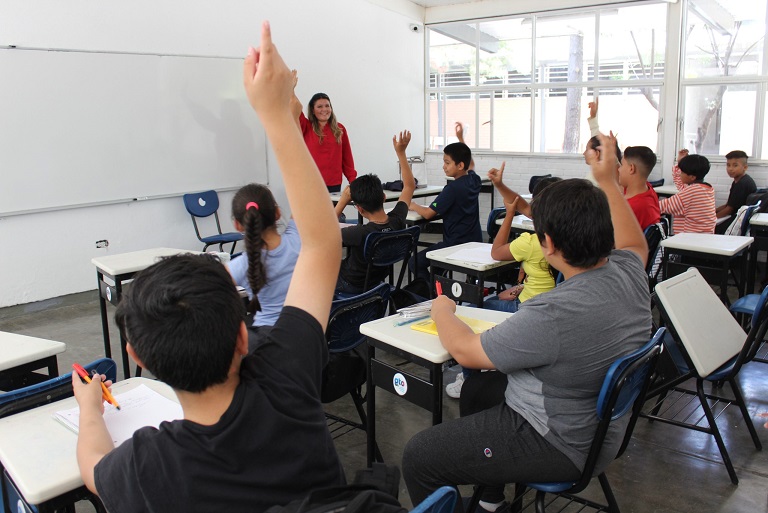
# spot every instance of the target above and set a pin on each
(102, 244)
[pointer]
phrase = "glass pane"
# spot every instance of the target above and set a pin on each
(764, 154)
(564, 46)
(452, 54)
(561, 120)
(719, 119)
(630, 113)
(505, 50)
(443, 115)
(511, 122)
(632, 43)
(724, 38)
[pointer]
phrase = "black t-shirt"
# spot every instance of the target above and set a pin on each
(353, 268)
(458, 206)
(270, 447)
(739, 192)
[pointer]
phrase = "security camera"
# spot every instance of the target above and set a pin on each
(414, 27)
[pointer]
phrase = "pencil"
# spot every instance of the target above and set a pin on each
(105, 393)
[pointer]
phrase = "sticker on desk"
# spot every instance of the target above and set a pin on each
(400, 384)
(477, 325)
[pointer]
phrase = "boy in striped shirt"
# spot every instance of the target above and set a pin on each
(693, 208)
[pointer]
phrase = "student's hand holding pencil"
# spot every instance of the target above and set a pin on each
(90, 395)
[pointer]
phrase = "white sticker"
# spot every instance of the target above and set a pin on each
(456, 289)
(400, 384)
(109, 294)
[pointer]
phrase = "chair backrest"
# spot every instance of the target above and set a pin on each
(624, 389)
(202, 204)
(23, 399)
(750, 210)
(343, 332)
(442, 500)
(492, 228)
(657, 183)
(653, 236)
(384, 249)
(534, 180)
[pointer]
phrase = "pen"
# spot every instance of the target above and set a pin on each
(106, 394)
(438, 288)
(414, 319)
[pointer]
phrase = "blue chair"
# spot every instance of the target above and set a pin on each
(492, 228)
(441, 500)
(623, 390)
(535, 180)
(346, 369)
(39, 394)
(205, 204)
(385, 249)
(657, 183)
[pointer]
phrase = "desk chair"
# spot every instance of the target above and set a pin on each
(205, 204)
(346, 369)
(657, 183)
(441, 500)
(750, 306)
(534, 180)
(30, 397)
(492, 228)
(385, 249)
(624, 389)
(705, 343)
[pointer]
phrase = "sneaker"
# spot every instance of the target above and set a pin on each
(505, 507)
(454, 389)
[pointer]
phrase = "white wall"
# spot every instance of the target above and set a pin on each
(363, 55)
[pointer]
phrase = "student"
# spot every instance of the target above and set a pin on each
(368, 195)
(457, 204)
(254, 433)
(693, 208)
(525, 248)
(635, 167)
(743, 185)
(561, 342)
(266, 267)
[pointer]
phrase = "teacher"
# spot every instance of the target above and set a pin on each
(328, 143)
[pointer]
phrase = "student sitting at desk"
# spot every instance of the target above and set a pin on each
(555, 351)
(457, 204)
(742, 186)
(254, 433)
(368, 195)
(266, 267)
(693, 208)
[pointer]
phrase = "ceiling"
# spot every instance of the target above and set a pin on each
(437, 3)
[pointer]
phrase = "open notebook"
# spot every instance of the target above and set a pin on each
(139, 407)
(428, 325)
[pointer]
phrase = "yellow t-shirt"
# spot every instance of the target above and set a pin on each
(527, 250)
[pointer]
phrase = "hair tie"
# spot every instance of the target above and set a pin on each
(251, 204)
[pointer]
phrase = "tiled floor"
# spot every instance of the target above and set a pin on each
(665, 468)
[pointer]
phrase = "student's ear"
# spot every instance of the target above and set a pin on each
(132, 354)
(278, 213)
(238, 226)
(546, 246)
(241, 347)
(632, 169)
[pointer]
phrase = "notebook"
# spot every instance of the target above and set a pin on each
(428, 325)
(139, 407)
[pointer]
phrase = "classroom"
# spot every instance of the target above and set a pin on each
(96, 157)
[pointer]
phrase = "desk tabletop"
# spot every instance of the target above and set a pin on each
(39, 452)
(420, 344)
(447, 256)
(429, 190)
(759, 220)
(17, 350)
(667, 190)
(520, 222)
(134, 261)
(713, 244)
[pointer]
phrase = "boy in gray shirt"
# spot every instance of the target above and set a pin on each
(555, 351)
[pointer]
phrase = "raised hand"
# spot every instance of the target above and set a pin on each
(682, 154)
(511, 206)
(268, 81)
(496, 175)
(401, 143)
(459, 131)
(604, 167)
(593, 108)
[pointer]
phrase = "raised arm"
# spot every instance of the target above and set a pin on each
(500, 250)
(344, 200)
(496, 176)
(626, 230)
(676, 170)
(460, 136)
(406, 173)
(594, 128)
(269, 86)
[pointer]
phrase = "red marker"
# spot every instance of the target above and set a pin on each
(105, 393)
(438, 288)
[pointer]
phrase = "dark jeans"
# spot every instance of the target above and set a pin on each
(344, 287)
(491, 447)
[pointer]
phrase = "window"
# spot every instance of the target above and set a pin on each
(522, 84)
(724, 77)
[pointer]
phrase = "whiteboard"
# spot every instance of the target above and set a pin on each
(79, 128)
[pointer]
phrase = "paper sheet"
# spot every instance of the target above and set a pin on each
(474, 255)
(139, 407)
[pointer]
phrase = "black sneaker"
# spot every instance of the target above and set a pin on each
(504, 508)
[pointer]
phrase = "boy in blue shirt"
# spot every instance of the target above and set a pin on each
(457, 204)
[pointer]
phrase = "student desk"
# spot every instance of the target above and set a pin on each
(758, 226)
(442, 259)
(520, 224)
(118, 269)
(429, 190)
(665, 191)
(38, 452)
(21, 355)
(723, 250)
(417, 347)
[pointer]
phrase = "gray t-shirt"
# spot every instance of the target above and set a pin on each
(558, 347)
